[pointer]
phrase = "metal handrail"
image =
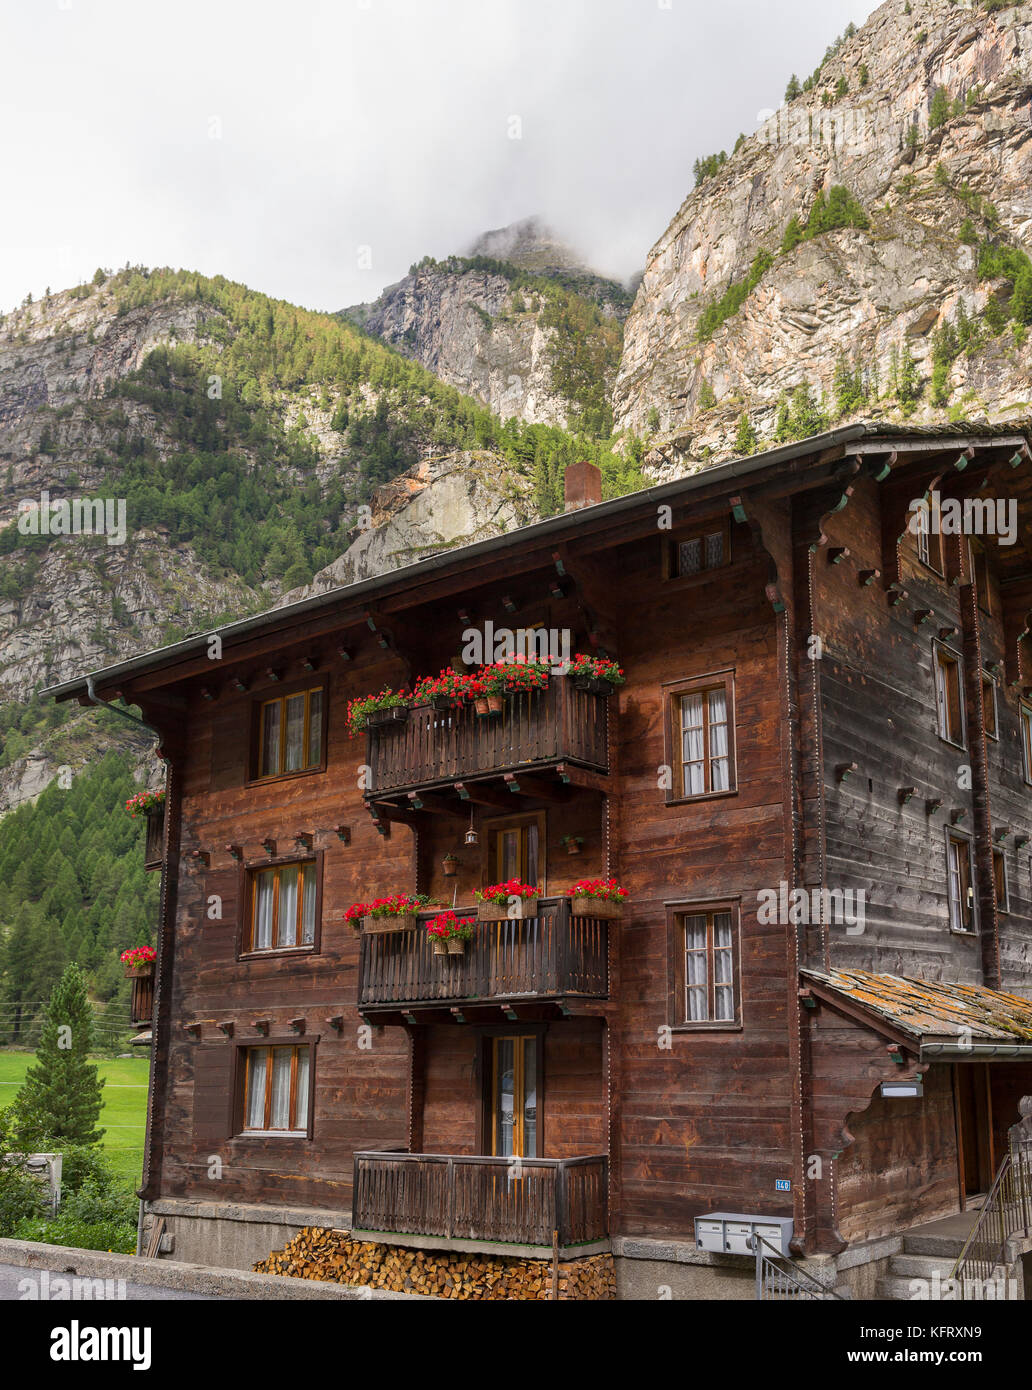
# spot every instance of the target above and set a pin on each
(786, 1280)
(1006, 1211)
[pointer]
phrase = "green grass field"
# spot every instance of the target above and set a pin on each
(124, 1116)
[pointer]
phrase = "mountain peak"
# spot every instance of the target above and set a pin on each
(531, 245)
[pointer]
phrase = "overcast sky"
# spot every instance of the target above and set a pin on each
(315, 150)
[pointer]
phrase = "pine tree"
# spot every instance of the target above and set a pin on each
(1021, 300)
(746, 438)
(940, 112)
(707, 395)
(793, 235)
(793, 89)
(909, 380)
(60, 1101)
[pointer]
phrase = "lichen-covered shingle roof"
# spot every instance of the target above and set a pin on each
(925, 1009)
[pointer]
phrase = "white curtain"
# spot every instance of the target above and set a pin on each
(256, 1087)
(287, 932)
(271, 739)
(301, 1099)
(281, 1088)
(723, 967)
(315, 700)
(308, 906)
(720, 765)
(295, 733)
(695, 980)
(692, 751)
(263, 913)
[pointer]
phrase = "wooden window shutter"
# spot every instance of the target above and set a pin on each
(229, 749)
(214, 1100)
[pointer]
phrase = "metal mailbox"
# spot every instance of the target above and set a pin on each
(733, 1233)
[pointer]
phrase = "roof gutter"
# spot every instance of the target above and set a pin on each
(961, 1051)
(95, 699)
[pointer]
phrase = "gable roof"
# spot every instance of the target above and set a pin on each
(553, 528)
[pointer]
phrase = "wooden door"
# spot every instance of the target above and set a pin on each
(513, 1095)
(974, 1127)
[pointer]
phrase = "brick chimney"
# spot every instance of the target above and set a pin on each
(582, 486)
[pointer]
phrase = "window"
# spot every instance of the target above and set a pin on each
(961, 891)
(704, 745)
(989, 700)
(515, 849)
(276, 1089)
(705, 943)
(1000, 880)
(283, 908)
(1026, 739)
(926, 525)
(980, 574)
(710, 549)
(291, 734)
(949, 698)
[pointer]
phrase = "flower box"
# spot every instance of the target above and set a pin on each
(138, 961)
(499, 912)
(377, 926)
(607, 909)
(592, 685)
(140, 970)
(384, 718)
(454, 945)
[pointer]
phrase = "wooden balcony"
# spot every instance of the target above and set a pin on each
(553, 956)
(470, 1202)
(141, 1005)
(559, 724)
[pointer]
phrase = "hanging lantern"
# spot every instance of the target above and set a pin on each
(472, 838)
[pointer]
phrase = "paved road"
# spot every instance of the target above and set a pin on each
(12, 1275)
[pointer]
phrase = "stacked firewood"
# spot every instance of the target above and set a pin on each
(333, 1257)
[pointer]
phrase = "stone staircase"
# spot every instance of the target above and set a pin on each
(928, 1251)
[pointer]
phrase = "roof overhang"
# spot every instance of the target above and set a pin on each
(930, 1019)
(862, 438)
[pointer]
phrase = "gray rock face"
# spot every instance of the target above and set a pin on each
(866, 293)
(441, 503)
(471, 331)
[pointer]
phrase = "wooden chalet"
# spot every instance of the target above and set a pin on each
(816, 786)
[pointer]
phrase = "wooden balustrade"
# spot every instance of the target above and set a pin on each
(557, 724)
(550, 955)
(141, 1004)
(510, 1201)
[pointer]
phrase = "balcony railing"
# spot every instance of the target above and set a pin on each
(551, 955)
(435, 747)
(141, 1004)
(456, 1198)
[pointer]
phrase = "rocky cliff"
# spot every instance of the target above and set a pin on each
(249, 444)
(501, 323)
(837, 263)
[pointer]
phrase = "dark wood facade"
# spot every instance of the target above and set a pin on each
(819, 633)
